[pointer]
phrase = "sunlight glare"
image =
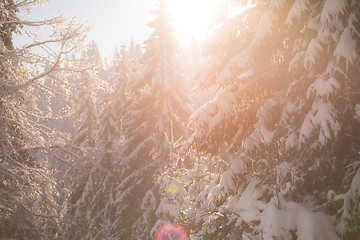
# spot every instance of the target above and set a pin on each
(192, 18)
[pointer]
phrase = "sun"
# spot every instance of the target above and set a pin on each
(192, 18)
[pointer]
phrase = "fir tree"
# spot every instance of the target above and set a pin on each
(157, 109)
(285, 118)
(123, 72)
(81, 182)
(101, 208)
(93, 58)
(134, 49)
(86, 112)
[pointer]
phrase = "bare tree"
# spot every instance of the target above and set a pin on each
(27, 206)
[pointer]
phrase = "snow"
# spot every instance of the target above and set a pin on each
(227, 181)
(328, 124)
(170, 209)
(332, 8)
(235, 22)
(251, 194)
(330, 195)
(265, 27)
(346, 48)
(291, 141)
(139, 147)
(211, 191)
(212, 113)
(278, 3)
(349, 200)
(325, 85)
(262, 132)
(324, 118)
(214, 193)
(237, 165)
(357, 112)
(282, 170)
(203, 76)
(353, 21)
(253, 213)
(312, 52)
(294, 63)
(314, 23)
(296, 11)
(255, 199)
(306, 129)
(299, 46)
(186, 146)
(235, 65)
(149, 200)
(277, 223)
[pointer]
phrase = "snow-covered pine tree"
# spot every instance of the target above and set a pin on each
(91, 198)
(122, 71)
(86, 112)
(158, 108)
(183, 192)
(81, 183)
(112, 71)
(286, 116)
(93, 58)
(108, 124)
(134, 50)
(105, 173)
(27, 206)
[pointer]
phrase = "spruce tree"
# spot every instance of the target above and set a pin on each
(80, 179)
(101, 208)
(93, 57)
(285, 118)
(157, 110)
(123, 71)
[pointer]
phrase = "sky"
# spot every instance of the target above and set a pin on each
(117, 21)
(113, 21)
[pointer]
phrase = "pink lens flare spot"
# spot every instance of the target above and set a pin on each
(171, 232)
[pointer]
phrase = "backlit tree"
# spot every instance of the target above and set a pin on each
(284, 117)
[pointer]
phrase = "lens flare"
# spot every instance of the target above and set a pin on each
(172, 188)
(171, 232)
